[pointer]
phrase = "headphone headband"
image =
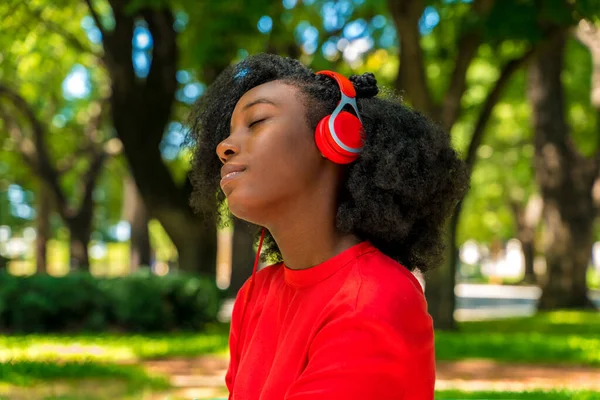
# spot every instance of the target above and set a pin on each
(344, 83)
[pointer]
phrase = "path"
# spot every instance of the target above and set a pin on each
(203, 377)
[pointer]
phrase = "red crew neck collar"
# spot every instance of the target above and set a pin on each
(299, 278)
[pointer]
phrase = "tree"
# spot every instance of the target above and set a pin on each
(566, 179)
(412, 79)
(35, 153)
(140, 110)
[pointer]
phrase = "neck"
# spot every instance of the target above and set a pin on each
(305, 231)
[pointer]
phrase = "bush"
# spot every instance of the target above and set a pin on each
(141, 302)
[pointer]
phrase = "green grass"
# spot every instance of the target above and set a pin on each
(26, 373)
(38, 360)
(112, 347)
(558, 337)
(556, 322)
(529, 395)
(519, 347)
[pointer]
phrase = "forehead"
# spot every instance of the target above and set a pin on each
(282, 94)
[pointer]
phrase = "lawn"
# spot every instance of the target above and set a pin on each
(559, 337)
(111, 363)
(534, 395)
(112, 347)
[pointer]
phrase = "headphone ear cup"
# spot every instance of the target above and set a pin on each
(348, 129)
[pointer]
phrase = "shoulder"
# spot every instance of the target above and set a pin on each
(388, 291)
(263, 278)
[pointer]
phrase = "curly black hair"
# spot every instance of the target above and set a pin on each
(398, 194)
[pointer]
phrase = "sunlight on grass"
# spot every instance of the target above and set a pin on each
(111, 363)
(519, 347)
(555, 337)
(556, 322)
(110, 347)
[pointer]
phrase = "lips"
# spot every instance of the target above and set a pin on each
(230, 172)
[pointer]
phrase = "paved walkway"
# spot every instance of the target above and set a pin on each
(489, 375)
(203, 377)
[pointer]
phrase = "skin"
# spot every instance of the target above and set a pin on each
(287, 186)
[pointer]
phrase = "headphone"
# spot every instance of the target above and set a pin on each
(339, 136)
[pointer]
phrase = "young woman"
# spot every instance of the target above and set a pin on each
(352, 191)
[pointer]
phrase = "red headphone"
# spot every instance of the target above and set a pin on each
(339, 136)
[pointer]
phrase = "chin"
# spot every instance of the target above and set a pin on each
(244, 209)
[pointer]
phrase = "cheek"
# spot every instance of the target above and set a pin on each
(294, 157)
(283, 164)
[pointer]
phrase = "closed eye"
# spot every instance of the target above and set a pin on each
(256, 122)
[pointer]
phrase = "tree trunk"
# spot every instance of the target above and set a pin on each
(198, 253)
(565, 179)
(528, 248)
(441, 300)
(44, 207)
(80, 229)
(141, 108)
(134, 211)
(526, 221)
(243, 255)
(195, 240)
(80, 221)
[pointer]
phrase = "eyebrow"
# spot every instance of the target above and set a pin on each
(261, 100)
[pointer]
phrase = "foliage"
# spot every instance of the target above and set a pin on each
(140, 302)
(36, 61)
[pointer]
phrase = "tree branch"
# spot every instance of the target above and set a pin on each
(95, 17)
(411, 74)
(161, 82)
(67, 164)
(89, 182)
(492, 98)
(45, 169)
(467, 49)
(92, 128)
(26, 148)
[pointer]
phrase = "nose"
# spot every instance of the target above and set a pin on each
(227, 149)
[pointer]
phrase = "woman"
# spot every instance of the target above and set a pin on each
(351, 203)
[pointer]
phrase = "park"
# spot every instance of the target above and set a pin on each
(113, 285)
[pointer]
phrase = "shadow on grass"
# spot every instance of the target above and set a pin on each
(26, 373)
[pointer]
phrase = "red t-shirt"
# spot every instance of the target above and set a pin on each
(355, 327)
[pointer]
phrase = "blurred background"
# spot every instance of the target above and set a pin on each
(111, 287)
